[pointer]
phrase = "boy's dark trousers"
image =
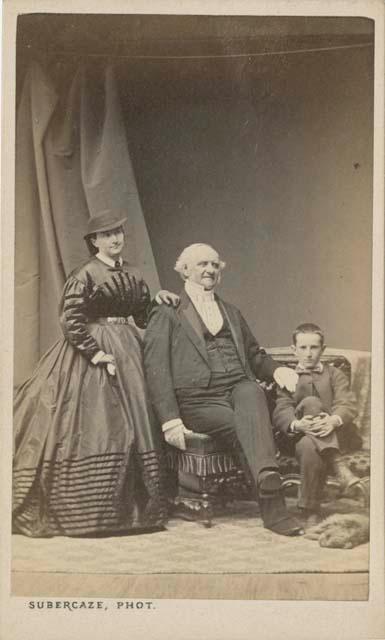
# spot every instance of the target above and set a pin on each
(313, 454)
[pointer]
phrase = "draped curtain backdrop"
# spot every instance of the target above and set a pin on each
(72, 161)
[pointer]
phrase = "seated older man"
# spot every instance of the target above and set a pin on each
(201, 363)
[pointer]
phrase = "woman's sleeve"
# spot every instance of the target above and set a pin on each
(73, 318)
(144, 305)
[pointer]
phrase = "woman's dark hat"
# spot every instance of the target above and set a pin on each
(105, 221)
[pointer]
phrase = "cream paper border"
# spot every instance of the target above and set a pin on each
(188, 619)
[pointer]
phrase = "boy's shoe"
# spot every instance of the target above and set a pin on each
(344, 475)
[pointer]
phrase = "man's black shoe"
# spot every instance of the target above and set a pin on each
(286, 527)
(268, 482)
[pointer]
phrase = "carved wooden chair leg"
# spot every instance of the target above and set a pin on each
(206, 512)
(224, 499)
(222, 494)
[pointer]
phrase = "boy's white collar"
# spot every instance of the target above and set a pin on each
(318, 368)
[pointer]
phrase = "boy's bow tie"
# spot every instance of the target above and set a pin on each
(317, 369)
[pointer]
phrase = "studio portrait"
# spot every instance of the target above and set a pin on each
(192, 306)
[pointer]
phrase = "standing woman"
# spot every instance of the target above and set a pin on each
(87, 456)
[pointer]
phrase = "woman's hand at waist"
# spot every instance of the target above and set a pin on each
(105, 359)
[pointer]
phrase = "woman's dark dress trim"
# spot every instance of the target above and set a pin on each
(87, 455)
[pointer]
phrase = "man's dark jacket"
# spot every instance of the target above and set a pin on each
(175, 354)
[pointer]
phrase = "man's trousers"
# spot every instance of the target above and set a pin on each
(236, 417)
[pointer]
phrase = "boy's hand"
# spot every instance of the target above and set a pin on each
(286, 377)
(323, 425)
(304, 425)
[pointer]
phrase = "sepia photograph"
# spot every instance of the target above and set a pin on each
(195, 295)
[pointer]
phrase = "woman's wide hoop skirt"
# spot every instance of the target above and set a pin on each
(86, 457)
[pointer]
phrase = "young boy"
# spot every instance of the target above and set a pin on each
(314, 418)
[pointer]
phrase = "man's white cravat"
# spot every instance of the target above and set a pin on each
(206, 305)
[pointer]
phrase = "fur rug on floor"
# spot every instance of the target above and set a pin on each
(341, 531)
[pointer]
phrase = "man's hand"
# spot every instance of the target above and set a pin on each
(176, 436)
(324, 424)
(286, 377)
(167, 297)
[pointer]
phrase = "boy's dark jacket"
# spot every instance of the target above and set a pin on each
(331, 386)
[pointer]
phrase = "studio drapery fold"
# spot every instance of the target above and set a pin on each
(72, 161)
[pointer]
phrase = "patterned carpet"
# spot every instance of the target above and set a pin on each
(237, 543)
